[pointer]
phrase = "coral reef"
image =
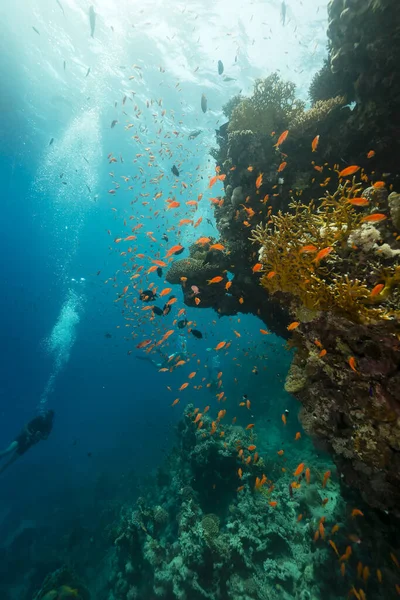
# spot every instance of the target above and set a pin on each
(244, 549)
(272, 105)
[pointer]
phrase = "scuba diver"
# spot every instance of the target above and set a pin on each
(37, 429)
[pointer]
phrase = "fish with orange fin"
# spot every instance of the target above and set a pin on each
(259, 181)
(282, 138)
(374, 218)
(314, 143)
(323, 254)
(299, 470)
(327, 474)
(349, 171)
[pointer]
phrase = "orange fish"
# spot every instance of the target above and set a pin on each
(217, 247)
(160, 263)
(283, 417)
(356, 513)
(349, 171)
(143, 344)
(352, 363)
(378, 184)
(293, 325)
(371, 154)
(250, 426)
(217, 279)
(308, 475)
(185, 221)
(228, 285)
(299, 518)
(173, 250)
(299, 470)
(394, 559)
(271, 274)
(343, 569)
(165, 291)
(358, 201)
(377, 289)
(281, 166)
(282, 138)
(321, 530)
(323, 254)
(325, 479)
(175, 402)
(173, 204)
(240, 472)
(379, 575)
(257, 267)
(220, 345)
(314, 143)
(280, 452)
(264, 332)
(273, 503)
(333, 545)
(197, 301)
(322, 353)
(297, 436)
(251, 448)
(240, 488)
(126, 288)
(191, 375)
(259, 181)
(374, 218)
(203, 240)
(334, 529)
(183, 386)
(250, 169)
(308, 249)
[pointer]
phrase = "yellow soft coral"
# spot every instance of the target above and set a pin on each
(290, 243)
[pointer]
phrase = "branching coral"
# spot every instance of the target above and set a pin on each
(291, 244)
(310, 119)
(271, 106)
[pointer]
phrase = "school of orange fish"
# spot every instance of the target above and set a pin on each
(168, 213)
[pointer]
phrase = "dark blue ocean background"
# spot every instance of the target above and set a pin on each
(113, 418)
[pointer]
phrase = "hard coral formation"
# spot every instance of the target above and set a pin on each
(311, 119)
(271, 106)
(243, 549)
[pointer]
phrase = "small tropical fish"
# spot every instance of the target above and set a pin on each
(356, 513)
(299, 470)
(283, 419)
(334, 529)
(378, 184)
(240, 472)
(251, 448)
(240, 488)
(282, 138)
(371, 154)
(217, 279)
(379, 575)
(352, 363)
(293, 325)
(217, 247)
(178, 249)
(175, 402)
(323, 254)
(280, 452)
(308, 249)
(358, 201)
(203, 240)
(220, 345)
(265, 332)
(175, 171)
(195, 289)
(314, 143)
(325, 479)
(259, 181)
(143, 344)
(250, 426)
(297, 436)
(299, 518)
(394, 559)
(165, 291)
(257, 267)
(183, 387)
(271, 274)
(349, 171)
(374, 218)
(197, 334)
(308, 475)
(377, 289)
(282, 166)
(203, 103)
(197, 301)
(273, 503)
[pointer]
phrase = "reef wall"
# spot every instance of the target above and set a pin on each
(278, 156)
